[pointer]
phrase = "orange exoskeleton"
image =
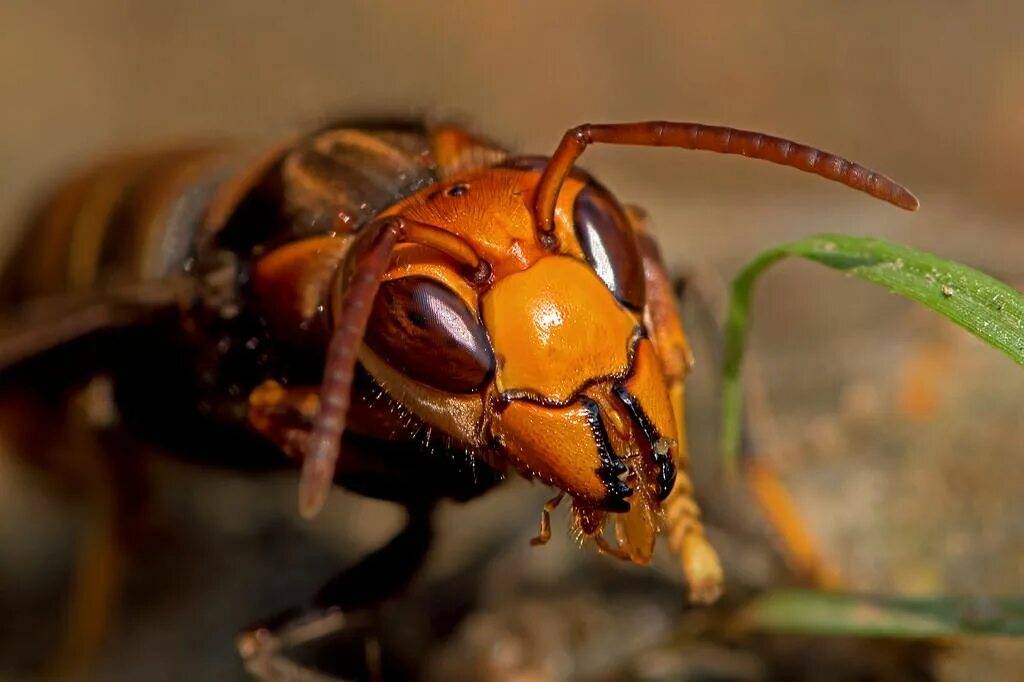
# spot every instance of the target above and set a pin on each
(364, 294)
(518, 308)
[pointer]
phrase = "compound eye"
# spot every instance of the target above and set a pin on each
(608, 242)
(424, 330)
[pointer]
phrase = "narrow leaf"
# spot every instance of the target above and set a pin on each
(982, 305)
(854, 615)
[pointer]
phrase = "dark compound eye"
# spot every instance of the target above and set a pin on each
(609, 244)
(422, 329)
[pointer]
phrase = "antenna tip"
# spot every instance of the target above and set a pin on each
(905, 199)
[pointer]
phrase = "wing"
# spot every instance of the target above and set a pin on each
(43, 326)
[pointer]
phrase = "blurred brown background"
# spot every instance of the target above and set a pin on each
(905, 499)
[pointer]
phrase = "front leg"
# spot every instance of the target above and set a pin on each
(682, 519)
(333, 636)
(799, 548)
(798, 545)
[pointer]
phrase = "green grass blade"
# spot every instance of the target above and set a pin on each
(982, 305)
(853, 615)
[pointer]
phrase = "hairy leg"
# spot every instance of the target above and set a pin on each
(799, 548)
(682, 519)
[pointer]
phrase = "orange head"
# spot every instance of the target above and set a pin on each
(546, 362)
(513, 315)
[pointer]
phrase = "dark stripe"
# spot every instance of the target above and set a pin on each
(145, 219)
(611, 465)
(666, 467)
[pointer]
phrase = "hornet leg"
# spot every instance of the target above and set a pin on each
(799, 548)
(682, 519)
(341, 610)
